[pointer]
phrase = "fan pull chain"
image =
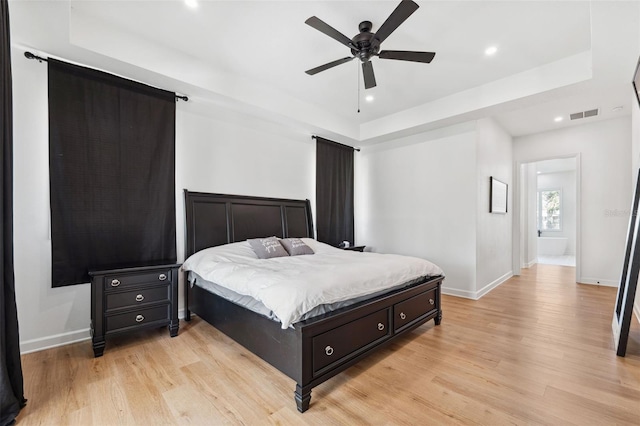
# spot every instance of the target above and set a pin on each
(358, 73)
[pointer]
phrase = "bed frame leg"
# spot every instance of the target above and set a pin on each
(303, 397)
(187, 311)
(438, 318)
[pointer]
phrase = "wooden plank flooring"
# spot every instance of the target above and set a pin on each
(536, 350)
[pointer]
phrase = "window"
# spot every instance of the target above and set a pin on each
(549, 210)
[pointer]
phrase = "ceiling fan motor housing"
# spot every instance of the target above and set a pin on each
(365, 42)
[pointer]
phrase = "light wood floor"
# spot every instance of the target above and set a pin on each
(536, 350)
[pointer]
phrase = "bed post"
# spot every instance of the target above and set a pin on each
(303, 397)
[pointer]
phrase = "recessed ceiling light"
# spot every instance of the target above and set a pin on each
(558, 119)
(369, 98)
(491, 50)
(618, 109)
(191, 3)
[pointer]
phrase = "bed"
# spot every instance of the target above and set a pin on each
(312, 350)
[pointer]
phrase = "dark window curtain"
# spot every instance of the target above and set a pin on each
(11, 383)
(112, 172)
(334, 192)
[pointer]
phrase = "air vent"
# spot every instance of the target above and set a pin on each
(584, 114)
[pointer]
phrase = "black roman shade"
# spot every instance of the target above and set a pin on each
(334, 192)
(112, 172)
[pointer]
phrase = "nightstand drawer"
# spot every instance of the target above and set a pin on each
(411, 309)
(138, 317)
(126, 280)
(140, 297)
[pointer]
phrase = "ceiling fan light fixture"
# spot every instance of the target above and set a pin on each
(490, 51)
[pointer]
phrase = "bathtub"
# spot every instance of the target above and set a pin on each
(552, 246)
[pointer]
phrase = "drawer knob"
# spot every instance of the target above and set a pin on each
(162, 277)
(328, 350)
(380, 326)
(139, 298)
(402, 315)
(115, 283)
(431, 301)
(139, 318)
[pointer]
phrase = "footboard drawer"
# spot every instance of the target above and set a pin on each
(349, 339)
(405, 312)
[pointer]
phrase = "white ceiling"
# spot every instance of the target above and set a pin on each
(554, 58)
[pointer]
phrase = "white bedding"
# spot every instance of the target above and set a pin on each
(290, 286)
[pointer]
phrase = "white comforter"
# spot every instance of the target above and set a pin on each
(293, 285)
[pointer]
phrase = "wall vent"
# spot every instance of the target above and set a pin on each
(584, 114)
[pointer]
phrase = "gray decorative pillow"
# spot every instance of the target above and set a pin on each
(266, 248)
(295, 246)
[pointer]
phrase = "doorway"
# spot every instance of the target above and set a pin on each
(548, 212)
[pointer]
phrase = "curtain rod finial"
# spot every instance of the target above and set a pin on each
(30, 55)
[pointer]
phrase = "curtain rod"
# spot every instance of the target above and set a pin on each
(352, 147)
(30, 55)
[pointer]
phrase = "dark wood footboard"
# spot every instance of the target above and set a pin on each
(314, 350)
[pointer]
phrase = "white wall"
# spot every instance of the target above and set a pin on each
(238, 154)
(566, 183)
(417, 196)
(494, 157)
(605, 149)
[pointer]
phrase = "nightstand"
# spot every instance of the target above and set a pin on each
(354, 248)
(128, 299)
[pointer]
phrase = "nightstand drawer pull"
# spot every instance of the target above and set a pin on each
(402, 315)
(115, 283)
(431, 301)
(139, 318)
(162, 277)
(380, 326)
(328, 350)
(139, 298)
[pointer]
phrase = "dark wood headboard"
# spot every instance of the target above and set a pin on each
(216, 219)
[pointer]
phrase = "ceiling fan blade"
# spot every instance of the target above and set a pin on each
(404, 55)
(369, 77)
(327, 29)
(397, 17)
(316, 70)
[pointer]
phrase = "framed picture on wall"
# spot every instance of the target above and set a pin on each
(498, 196)
(636, 81)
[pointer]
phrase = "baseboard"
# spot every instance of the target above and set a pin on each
(530, 264)
(486, 289)
(48, 342)
(598, 281)
(458, 293)
(475, 295)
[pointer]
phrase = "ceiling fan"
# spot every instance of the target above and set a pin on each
(366, 44)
